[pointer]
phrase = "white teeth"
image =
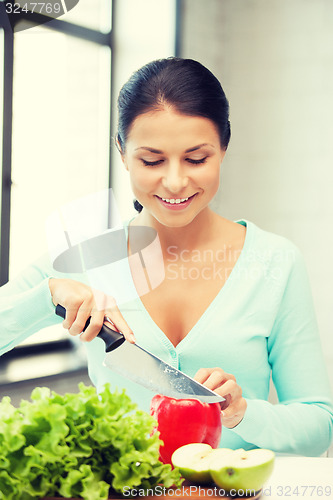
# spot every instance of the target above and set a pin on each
(173, 200)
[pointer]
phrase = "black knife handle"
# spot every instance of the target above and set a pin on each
(111, 338)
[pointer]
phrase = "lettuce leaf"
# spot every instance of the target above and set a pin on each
(78, 445)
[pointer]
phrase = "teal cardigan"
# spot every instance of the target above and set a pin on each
(260, 325)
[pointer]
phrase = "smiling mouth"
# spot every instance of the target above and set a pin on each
(175, 201)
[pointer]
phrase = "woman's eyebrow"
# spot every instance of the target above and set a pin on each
(198, 147)
(152, 150)
(159, 152)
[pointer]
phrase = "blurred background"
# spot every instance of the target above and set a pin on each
(59, 83)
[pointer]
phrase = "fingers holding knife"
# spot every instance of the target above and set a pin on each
(224, 384)
(82, 305)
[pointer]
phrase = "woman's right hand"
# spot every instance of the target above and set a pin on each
(82, 302)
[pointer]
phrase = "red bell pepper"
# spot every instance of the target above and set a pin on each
(185, 421)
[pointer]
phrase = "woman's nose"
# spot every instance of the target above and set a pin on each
(175, 179)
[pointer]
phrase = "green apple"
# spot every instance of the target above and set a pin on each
(241, 469)
(193, 462)
(229, 469)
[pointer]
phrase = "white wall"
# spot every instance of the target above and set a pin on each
(275, 61)
(143, 31)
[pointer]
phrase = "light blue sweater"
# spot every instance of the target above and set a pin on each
(261, 323)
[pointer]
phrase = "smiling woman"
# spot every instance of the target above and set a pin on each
(184, 99)
(231, 323)
(183, 164)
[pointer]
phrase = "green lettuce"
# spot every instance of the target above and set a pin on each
(78, 445)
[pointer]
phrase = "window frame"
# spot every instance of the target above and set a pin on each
(61, 26)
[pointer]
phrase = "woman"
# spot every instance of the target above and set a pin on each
(235, 304)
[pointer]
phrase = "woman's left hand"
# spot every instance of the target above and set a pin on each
(224, 384)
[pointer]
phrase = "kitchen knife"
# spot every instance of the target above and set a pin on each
(144, 368)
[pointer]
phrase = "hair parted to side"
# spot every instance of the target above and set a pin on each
(185, 84)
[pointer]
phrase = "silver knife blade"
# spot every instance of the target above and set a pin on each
(144, 368)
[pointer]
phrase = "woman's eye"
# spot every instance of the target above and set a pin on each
(197, 162)
(151, 163)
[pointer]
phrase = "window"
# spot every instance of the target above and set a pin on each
(60, 126)
(61, 137)
(61, 118)
(93, 14)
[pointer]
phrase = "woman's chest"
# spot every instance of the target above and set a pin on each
(192, 280)
(232, 334)
(184, 296)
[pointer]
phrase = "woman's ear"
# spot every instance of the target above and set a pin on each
(123, 159)
(122, 154)
(222, 155)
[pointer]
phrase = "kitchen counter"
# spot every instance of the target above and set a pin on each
(293, 478)
(300, 477)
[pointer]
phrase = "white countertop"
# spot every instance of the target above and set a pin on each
(300, 477)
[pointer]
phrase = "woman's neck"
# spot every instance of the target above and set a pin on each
(198, 233)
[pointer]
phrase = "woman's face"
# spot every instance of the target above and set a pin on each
(174, 164)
